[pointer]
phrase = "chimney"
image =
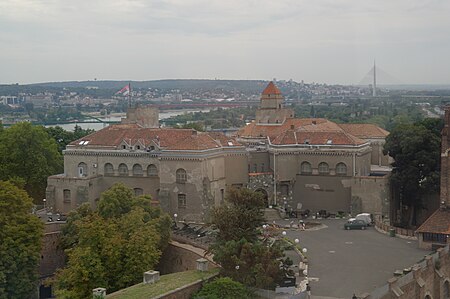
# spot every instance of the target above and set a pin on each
(314, 122)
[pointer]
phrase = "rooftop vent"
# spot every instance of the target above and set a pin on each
(329, 141)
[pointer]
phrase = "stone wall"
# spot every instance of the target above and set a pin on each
(52, 256)
(180, 258)
(429, 279)
(369, 195)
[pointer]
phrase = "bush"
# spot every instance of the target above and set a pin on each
(223, 288)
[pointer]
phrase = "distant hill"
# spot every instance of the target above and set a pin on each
(253, 86)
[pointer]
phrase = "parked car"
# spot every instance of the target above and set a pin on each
(364, 217)
(355, 224)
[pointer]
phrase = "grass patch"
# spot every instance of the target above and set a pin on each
(166, 283)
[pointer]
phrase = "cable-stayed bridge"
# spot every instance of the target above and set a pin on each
(380, 77)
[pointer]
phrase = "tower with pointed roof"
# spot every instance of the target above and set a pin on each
(271, 109)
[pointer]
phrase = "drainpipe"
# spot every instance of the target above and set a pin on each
(354, 164)
(274, 180)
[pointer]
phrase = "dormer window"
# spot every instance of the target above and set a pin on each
(124, 146)
(138, 147)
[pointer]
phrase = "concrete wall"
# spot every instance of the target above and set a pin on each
(321, 192)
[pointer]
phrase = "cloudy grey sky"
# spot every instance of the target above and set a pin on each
(330, 41)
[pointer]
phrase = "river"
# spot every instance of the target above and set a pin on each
(117, 117)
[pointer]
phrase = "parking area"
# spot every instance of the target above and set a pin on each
(343, 262)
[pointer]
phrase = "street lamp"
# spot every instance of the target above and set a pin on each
(44, 200)
(305, 250)
(175, 217)
(284, 234)
(297, 241)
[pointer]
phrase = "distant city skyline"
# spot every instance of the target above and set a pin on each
(323, 41)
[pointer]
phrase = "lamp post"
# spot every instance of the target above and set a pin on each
(175, 217)
(44, 200)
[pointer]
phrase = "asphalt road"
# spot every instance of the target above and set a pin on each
(355, 261)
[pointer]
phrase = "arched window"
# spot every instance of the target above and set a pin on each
(181, 175)
(123, 169)
(109, 169)
(138, 191)
(152, 170)
(324, 168)
(341, 169)
(137, 170)
(82, 169)
(305, 168)
(446, 291)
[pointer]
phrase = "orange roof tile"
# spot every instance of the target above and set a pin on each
(365, 130)
(171, 139)
(271, 89)
(317, 138)
(438, 222)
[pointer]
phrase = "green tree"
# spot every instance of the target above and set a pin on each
(28, 152)
(223, 288)
(239, 248)
(113, 246)
(415, 149)
(63, 137)
(20, 243)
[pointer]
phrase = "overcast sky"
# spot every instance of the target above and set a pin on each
(327, 41)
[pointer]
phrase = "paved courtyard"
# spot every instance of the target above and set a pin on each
(345, 262)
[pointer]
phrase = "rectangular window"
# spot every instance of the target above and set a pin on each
(263, 168)
(222, 195)
(182, 201)
(66, 195)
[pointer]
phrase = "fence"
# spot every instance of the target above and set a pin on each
(398, 230)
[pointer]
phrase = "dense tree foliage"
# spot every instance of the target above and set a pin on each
(113, 246)
(416, 170)
(223, 288)
(63, 137)
(239, 247)
(28, 152)
(20, 243)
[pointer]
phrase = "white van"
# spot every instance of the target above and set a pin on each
(364, 217)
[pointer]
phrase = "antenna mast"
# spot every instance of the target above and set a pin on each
(374, 91)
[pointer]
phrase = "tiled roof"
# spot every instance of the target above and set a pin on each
(318, 131)
(438, 222)
(271, 89)
(254, 130)
(170, 139)
(365, 130)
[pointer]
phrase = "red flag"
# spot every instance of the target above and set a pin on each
(125, 91)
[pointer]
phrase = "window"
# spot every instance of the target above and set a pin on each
(324, 168)
(446, 292)
(137, 170)
(262, 167)
(152, 170)
(67, 196)
(182, 201)
(82, 169)
(138, 191)
(305, 168)
(123, 169)
(181, 175)
(255, 167)
(439, 238)
(124, 146)
(222, 195)
(109, 169)
(138, 147)
(341, 169)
